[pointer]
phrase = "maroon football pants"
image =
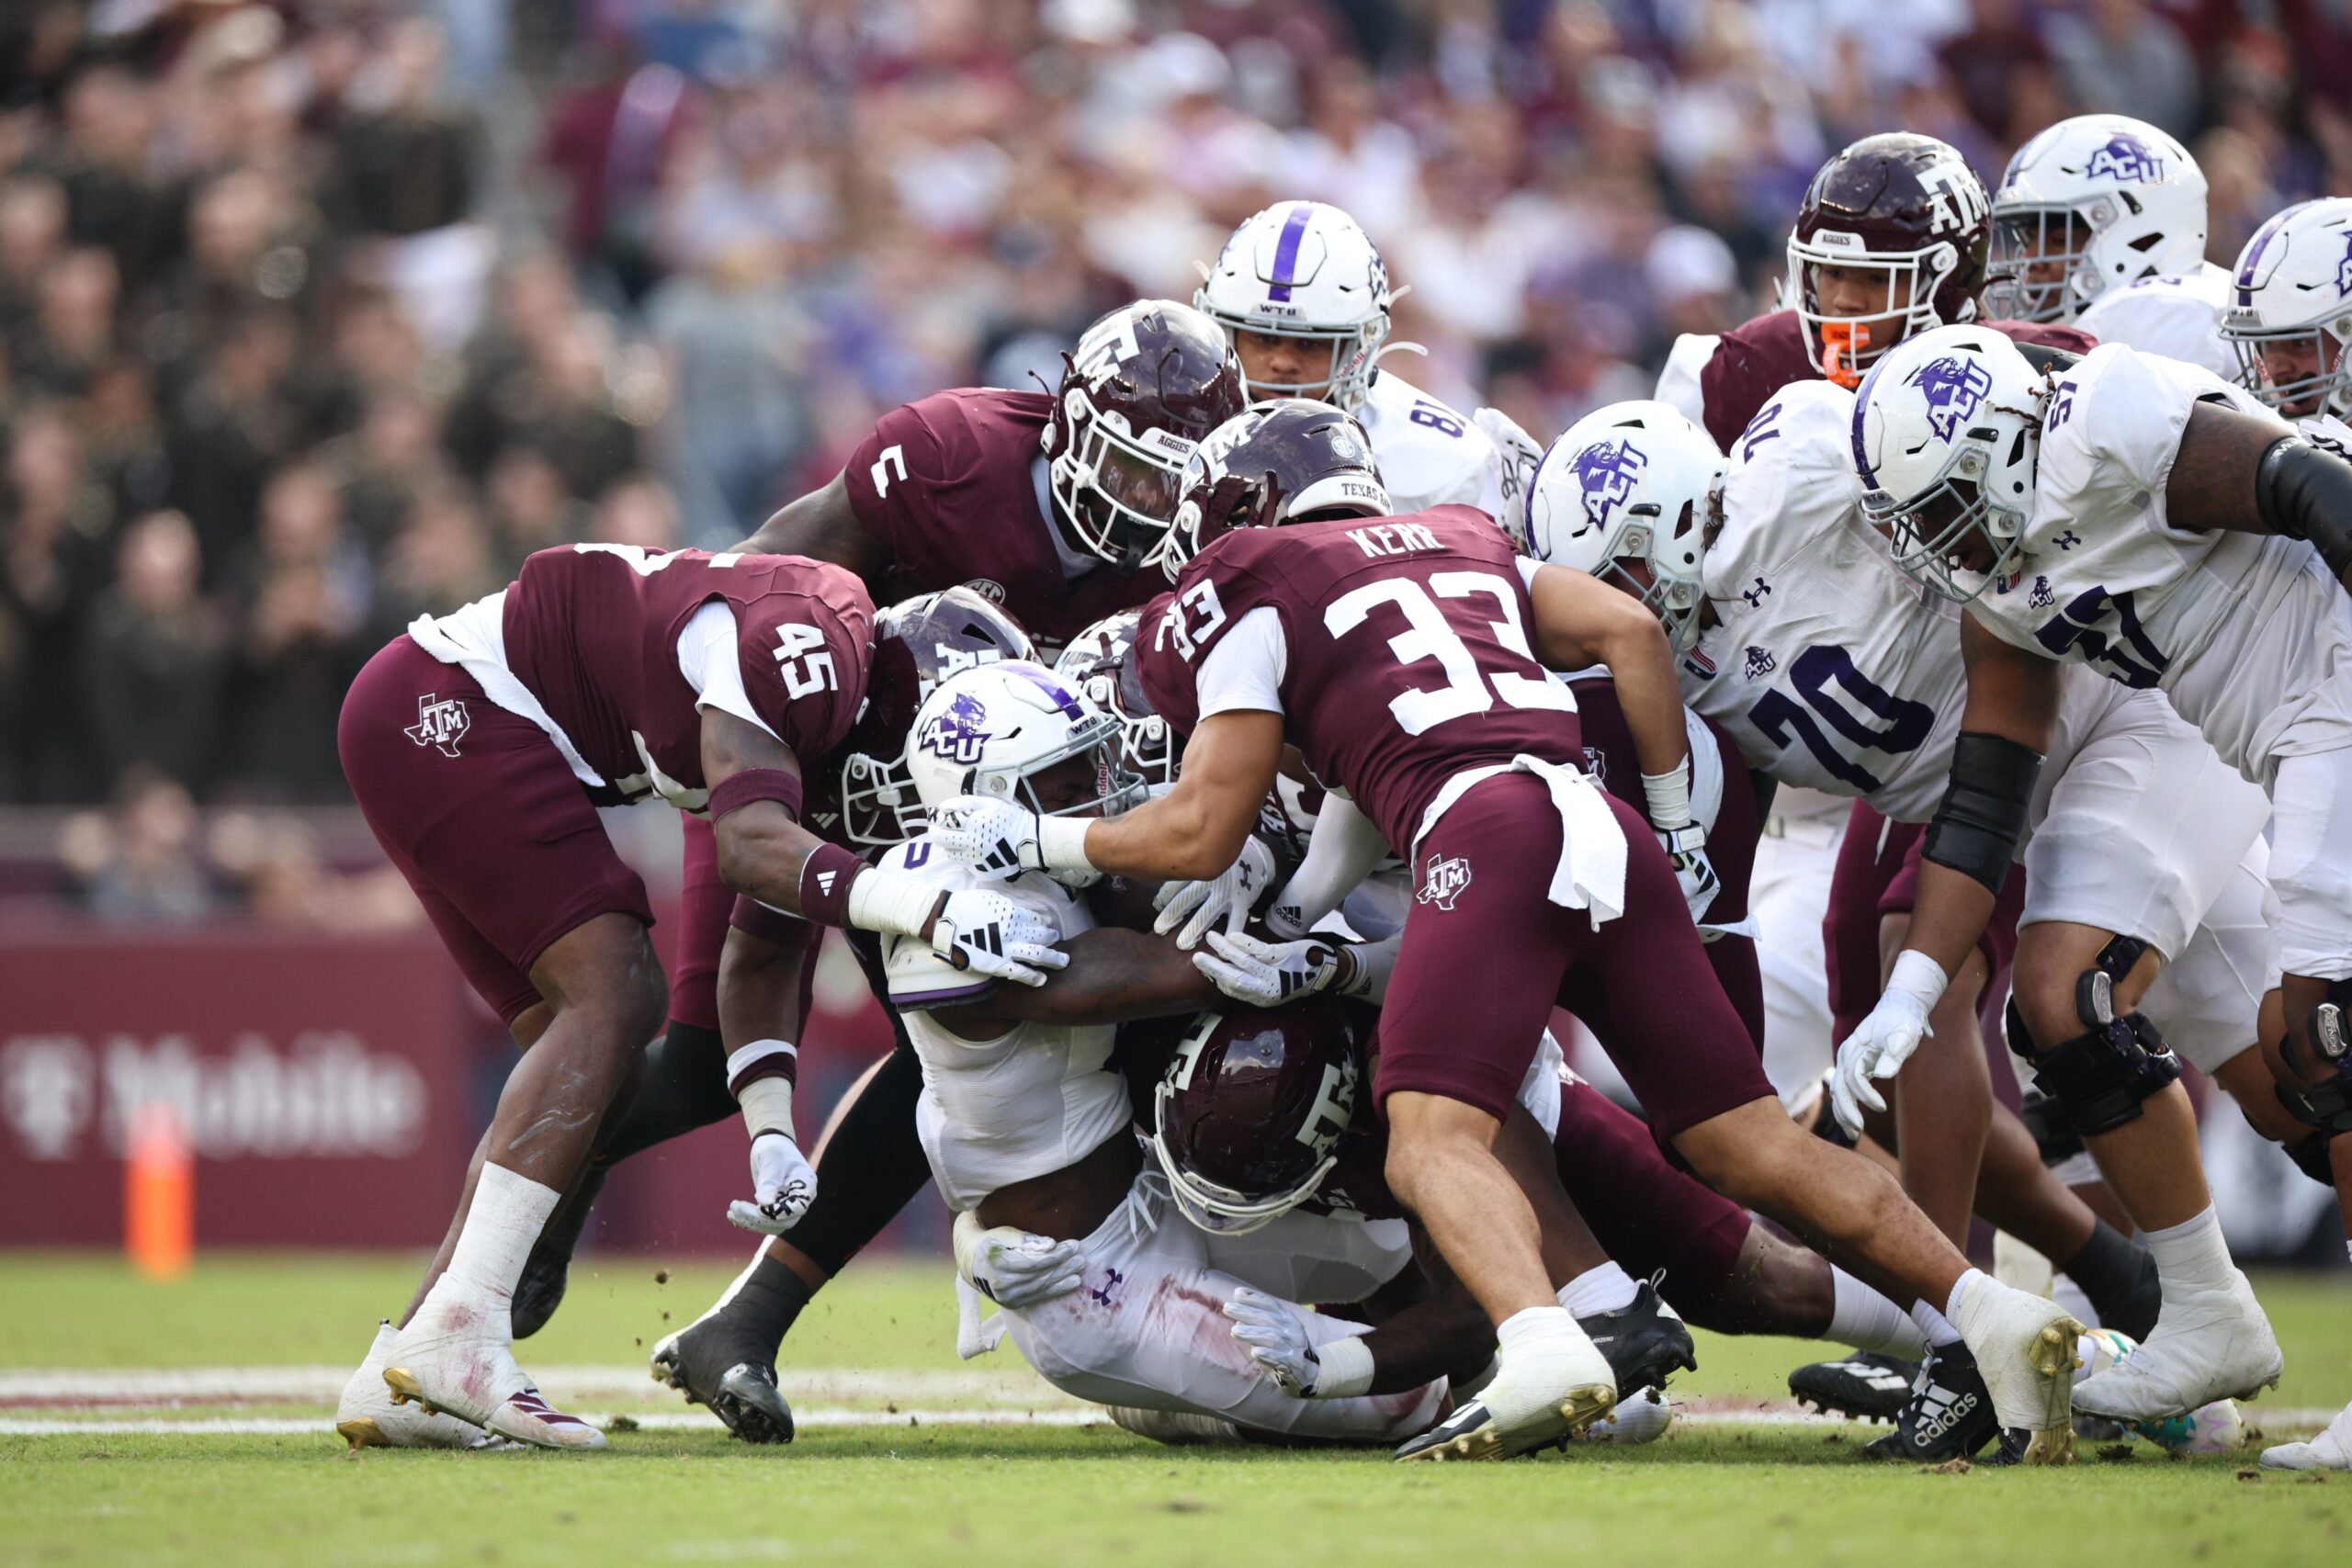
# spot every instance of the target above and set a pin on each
(1487, 955)
(482, 816)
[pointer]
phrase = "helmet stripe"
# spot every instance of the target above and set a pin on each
(2262, 238)
(1286, 250)
(1861, 404)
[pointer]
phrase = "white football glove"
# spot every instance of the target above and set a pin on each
(1520, 458)
(1267, 974)
(1228, 898)
(988, 834)
(783, 1186)
(1013, 1268)
(1686, 851)
(1886, 1039)
(1277, 1340)
(988, 933)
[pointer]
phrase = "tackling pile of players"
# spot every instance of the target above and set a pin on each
(1255, 751)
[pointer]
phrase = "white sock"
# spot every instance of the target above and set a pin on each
(2068, 1294)
(2193, 1256)
(508, 1214)
(1860, 1317)
(1534, 1347)
(1605, 1288)
(1960, 1288)
(1933, 1325)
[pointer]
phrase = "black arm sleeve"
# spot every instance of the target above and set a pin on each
(2306, 493)
(1976, 830)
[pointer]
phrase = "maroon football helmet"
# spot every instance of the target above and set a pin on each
(1247, 1120)
(1147, 383)
(1907, 207)
(1099, 662)
(1282, 461)
(918, 643)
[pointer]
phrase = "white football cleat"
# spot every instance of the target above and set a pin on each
(1641, 1419)
(446, 1362)
(2025, 1349)
(1509, 1418)
(2207, 1346)
(2332, 1449)
(368, 1417)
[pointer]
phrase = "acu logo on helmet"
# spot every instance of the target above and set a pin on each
(2344, 267)
(960, 733)
(2124, 159)
(1606, 470)
(1955, 389)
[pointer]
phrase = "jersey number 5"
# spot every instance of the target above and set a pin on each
(1468, 689)
(891, 457)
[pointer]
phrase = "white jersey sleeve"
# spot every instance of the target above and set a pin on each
(707, 661)
(1677, 384)
(2179, 316)
(2328, 433)
(1429, 453)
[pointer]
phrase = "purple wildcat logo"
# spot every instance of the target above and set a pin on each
(1955, 389)
(2125, 159)
(2344, 267)
(1606, 470)
(958, 733)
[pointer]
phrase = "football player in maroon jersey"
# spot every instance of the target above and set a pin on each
(479, 745)
(1891, 239)
(1533, 888)
(1046, 503)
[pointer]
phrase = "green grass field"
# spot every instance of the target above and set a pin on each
(916, 1484)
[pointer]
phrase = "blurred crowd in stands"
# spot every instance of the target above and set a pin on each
(316, 315)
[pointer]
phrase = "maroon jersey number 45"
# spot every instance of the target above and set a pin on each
(1406, 658)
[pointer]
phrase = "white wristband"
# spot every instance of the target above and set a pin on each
(1346, 1369)
(1062, 843)
(1919, 976)
(891, 901)
(767, 1106)
(1669, 797)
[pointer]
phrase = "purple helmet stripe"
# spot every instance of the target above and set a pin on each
(1044, 681)
(2262, 238)
(1286, 250)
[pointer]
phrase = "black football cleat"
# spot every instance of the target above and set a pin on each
(1644, 1341)
(547, 1273)
(713, 1365)
(1950, 1415)
(1868, 1385)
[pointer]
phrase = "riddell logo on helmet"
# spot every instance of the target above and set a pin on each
(1444, 881)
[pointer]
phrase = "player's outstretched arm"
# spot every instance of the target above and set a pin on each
(1115, 977)
(2004, 730)
(1190, 834)
(1581, 622)
(823, 526)
(2242, 474)
(754, 783)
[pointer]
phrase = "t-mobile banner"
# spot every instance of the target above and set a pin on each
(329, 1089)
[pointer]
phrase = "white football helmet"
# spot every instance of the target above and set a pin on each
(992, 729)
(2294, 286)
(1304, 269)
(1947, 434)
(2091, 204)
(1632, 481)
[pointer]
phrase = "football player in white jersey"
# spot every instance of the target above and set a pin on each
(1831, 671)
(2289, 318)
(2137, 514)
(1028, 1125)
(1303, 293)
(2100, 220)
